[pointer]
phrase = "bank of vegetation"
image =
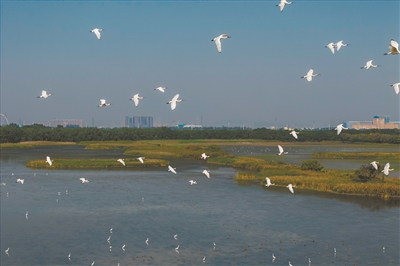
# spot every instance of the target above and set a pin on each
(356, 155)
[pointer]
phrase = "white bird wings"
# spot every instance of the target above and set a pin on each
(173, 102)
(218, 44)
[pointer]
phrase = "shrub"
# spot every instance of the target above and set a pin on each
(312, 165)
(366, 173)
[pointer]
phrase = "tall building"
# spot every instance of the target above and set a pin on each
(139, 121)
(378, 122)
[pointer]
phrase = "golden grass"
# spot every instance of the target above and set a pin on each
(33, 144)
(356, 155)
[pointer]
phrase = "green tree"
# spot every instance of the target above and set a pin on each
(366, 173)
(312, 165)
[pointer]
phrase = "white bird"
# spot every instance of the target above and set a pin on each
(111, 229)
(92, 263)
(140, 159)
(310, 75)
(177, 247)
(97, 32)
(340, 45)
(281, 151)
(204, 259)
(396, 87)
(331, 47)
(136, 99)
(386, 169)
(26, 215)
(282, 4)
(393, 47)
(192, 182)
(147, 241)
(374, 164)
(3, 184)
(273, 258)
(21, 181)
(268, 182)
(217, 41)
(103, 103)
(339, 128)
(207, 173)
(290, 187)
(204, 156)
(123, 247)
(174, 101)
(108, 240)
(162, 89)
(6, 251)
(69, 256)
(44, 94)
(294, 134)
(290, 264)
(176, 237)
(369, 64)
(309, 262)
(170, 169)
(49, 161)
(84, 180)
(121, 161)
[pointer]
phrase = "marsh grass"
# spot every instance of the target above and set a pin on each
(33, 144)
(356, 155)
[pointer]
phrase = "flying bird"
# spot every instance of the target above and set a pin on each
(282, 4)
(108, 240)
(103, 103)
(92, 263)
(374, 164)
(177, 247)
(281, 151)
(97, 31)
(294, 134)
(204, 156)
(123, 247)
(369, 64)
(217, 41)
(290, 187)
(140, 159)
(83, 180)
(26, 215)
(6, 251)
(340, 45)
(49, 161)
(268, 182)
(162, 89)
(21, 181)
(69, 256)
(44, 94)
(396, 87)
(339, 128)
(273, 258)
(310, 75)
(170, 169)
(174, 101)
(331, 47)
(111, 229)
(176, 237)
(393, 47)
(192, 182)
(207, 173)
(136, 99)
(147, 241)
(121, 161)
(386, 169)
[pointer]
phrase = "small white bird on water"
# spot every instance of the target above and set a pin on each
(170, 169)
(140, 159)
(369, 65)
(103, 103)
(374, 164)
(310, 75)
(396, 87)
(207, 173)
(6, 251)
(217, 41)
(174, 101)
(204, 156)
(294, 134)
(49, 161)
(44, 94)
(331, 47)
(393, 48)
(136, 99)
(340, 45)
(121, 161)
(282, 4)
(21, 181)
(386, 169)
(83, 180)
(281, 151)
(268, 182)
(162, 89)
(290, 187)
(339, 128)
(97, 31)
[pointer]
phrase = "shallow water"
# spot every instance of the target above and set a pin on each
(247, 222)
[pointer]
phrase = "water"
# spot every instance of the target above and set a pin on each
(247, 222)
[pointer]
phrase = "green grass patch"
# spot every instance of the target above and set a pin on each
(33, 144)
(356, 155)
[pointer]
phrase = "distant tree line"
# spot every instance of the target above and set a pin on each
(13, 134)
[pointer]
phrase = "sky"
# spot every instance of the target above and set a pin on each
(255, 82)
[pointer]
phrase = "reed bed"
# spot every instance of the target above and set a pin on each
(356, 155)
(33, 144)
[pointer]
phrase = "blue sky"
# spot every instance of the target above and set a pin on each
(255, 81)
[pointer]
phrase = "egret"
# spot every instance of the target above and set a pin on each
(281, 151)
(84, 180)
(290, 187)
(294, 134)
(103, 103)
(170, 169)
(121, 161)
(192, 182)
(207, 173)
(282, 4)
(331, 47)
(393, 47)
(268, 182)
(147, 241)
(162, 89)
(136, 99)
(140, 159)
(97, 32)
(217, 41)
(44, 94)
(204, 156)
(310, 75)
(174, 101)
(340, 45)
(339, 128)
(374, 164)
(6, 251)
(369, 64)
(386, 169)
(21, 181)
(50, 162)
(396, 87)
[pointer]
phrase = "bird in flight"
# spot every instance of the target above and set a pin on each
(136, 99)
(268, 182)
(44, 94)
(282, 4)
(310, 75)
(294, 134)
(49, 161)
(97, 31)
(396, 87)
(21, 181)
(331, 47)
(83, 180)
(374, 164)
(339, 128)
(369, 64)
(340, 45)
(386, 169)
(290, 187)
(217, 41)
(162, 89)
(6, 251)
(204, 156)
(192, 182)
(140, 159)
(103, 103)
(207, 173)
(170, 169)
(121, 161)
(174, 101)
(147, 241)
(281, 151)
(393, 47)
(176, 237)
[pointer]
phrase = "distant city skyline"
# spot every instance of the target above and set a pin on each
(255, 81)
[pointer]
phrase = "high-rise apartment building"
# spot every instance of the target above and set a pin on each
(139, 121)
